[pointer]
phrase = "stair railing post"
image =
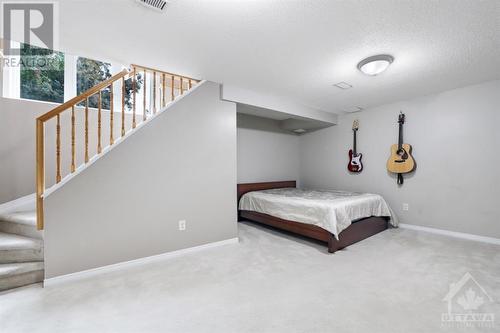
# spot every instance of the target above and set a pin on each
(133, 96)
(154, 92)
(144, 98)
(40, 173)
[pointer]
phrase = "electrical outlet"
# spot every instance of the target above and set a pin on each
(406, 207)
(182, 225)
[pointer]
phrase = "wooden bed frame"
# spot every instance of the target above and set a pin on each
(356, 232)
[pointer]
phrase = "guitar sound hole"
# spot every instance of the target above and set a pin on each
(402, 153)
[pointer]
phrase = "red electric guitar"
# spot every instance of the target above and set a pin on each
(355, 164)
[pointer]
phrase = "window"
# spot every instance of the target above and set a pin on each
(50, 76)
(89, 73)
(42, 74)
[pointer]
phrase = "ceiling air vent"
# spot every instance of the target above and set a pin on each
(352, 109)
(343, 85)
(158, 5)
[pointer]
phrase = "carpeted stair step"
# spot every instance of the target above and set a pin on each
(16, 248)
(20, 274)
(21, 223)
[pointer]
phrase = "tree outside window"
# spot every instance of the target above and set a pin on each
(42, 77)
(42, 74)
(89, 73)
(92, 72)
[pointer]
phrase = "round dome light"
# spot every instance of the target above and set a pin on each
(375, 65)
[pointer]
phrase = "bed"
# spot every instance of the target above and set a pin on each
(335, 217)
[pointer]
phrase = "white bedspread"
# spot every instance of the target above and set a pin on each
(331, 210)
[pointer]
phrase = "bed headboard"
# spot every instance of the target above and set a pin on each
(248, 187)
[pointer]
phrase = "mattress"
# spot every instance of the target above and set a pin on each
(331, 210)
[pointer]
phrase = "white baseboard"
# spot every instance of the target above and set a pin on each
(136, 262)
(454, 234)
(23, 202)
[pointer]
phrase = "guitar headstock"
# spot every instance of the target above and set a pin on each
(355, 125)
(401, 118)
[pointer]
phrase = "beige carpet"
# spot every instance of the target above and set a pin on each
(273, 282)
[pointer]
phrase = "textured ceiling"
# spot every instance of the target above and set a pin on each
(298, 49)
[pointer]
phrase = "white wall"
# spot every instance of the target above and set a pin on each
(180, 166)
(17, 146)
(265, 152)
(455, 138)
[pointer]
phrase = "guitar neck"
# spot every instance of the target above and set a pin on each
(354, 143)
(400, 140)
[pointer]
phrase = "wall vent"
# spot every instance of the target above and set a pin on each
(158, 5)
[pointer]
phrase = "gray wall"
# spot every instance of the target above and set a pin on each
(17, 146)
(181, 166)
(17, 143)
(455, 139)
(265, 151)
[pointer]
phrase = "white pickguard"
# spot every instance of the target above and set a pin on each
(356, 160)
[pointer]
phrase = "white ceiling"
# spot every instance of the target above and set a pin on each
(298, 49)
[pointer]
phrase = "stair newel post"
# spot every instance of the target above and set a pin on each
(40, 173)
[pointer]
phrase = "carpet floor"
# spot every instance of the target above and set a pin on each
(395, 281)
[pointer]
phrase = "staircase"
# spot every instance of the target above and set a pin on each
(159, 90)
(21, 250)
(21, 235)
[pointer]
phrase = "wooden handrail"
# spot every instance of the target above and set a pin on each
(149, 69)
(80, 98)
(84, 97)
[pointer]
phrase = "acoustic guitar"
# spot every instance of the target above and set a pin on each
(355, 164)
(400, 161)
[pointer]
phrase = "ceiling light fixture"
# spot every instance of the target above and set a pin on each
(376, 64)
